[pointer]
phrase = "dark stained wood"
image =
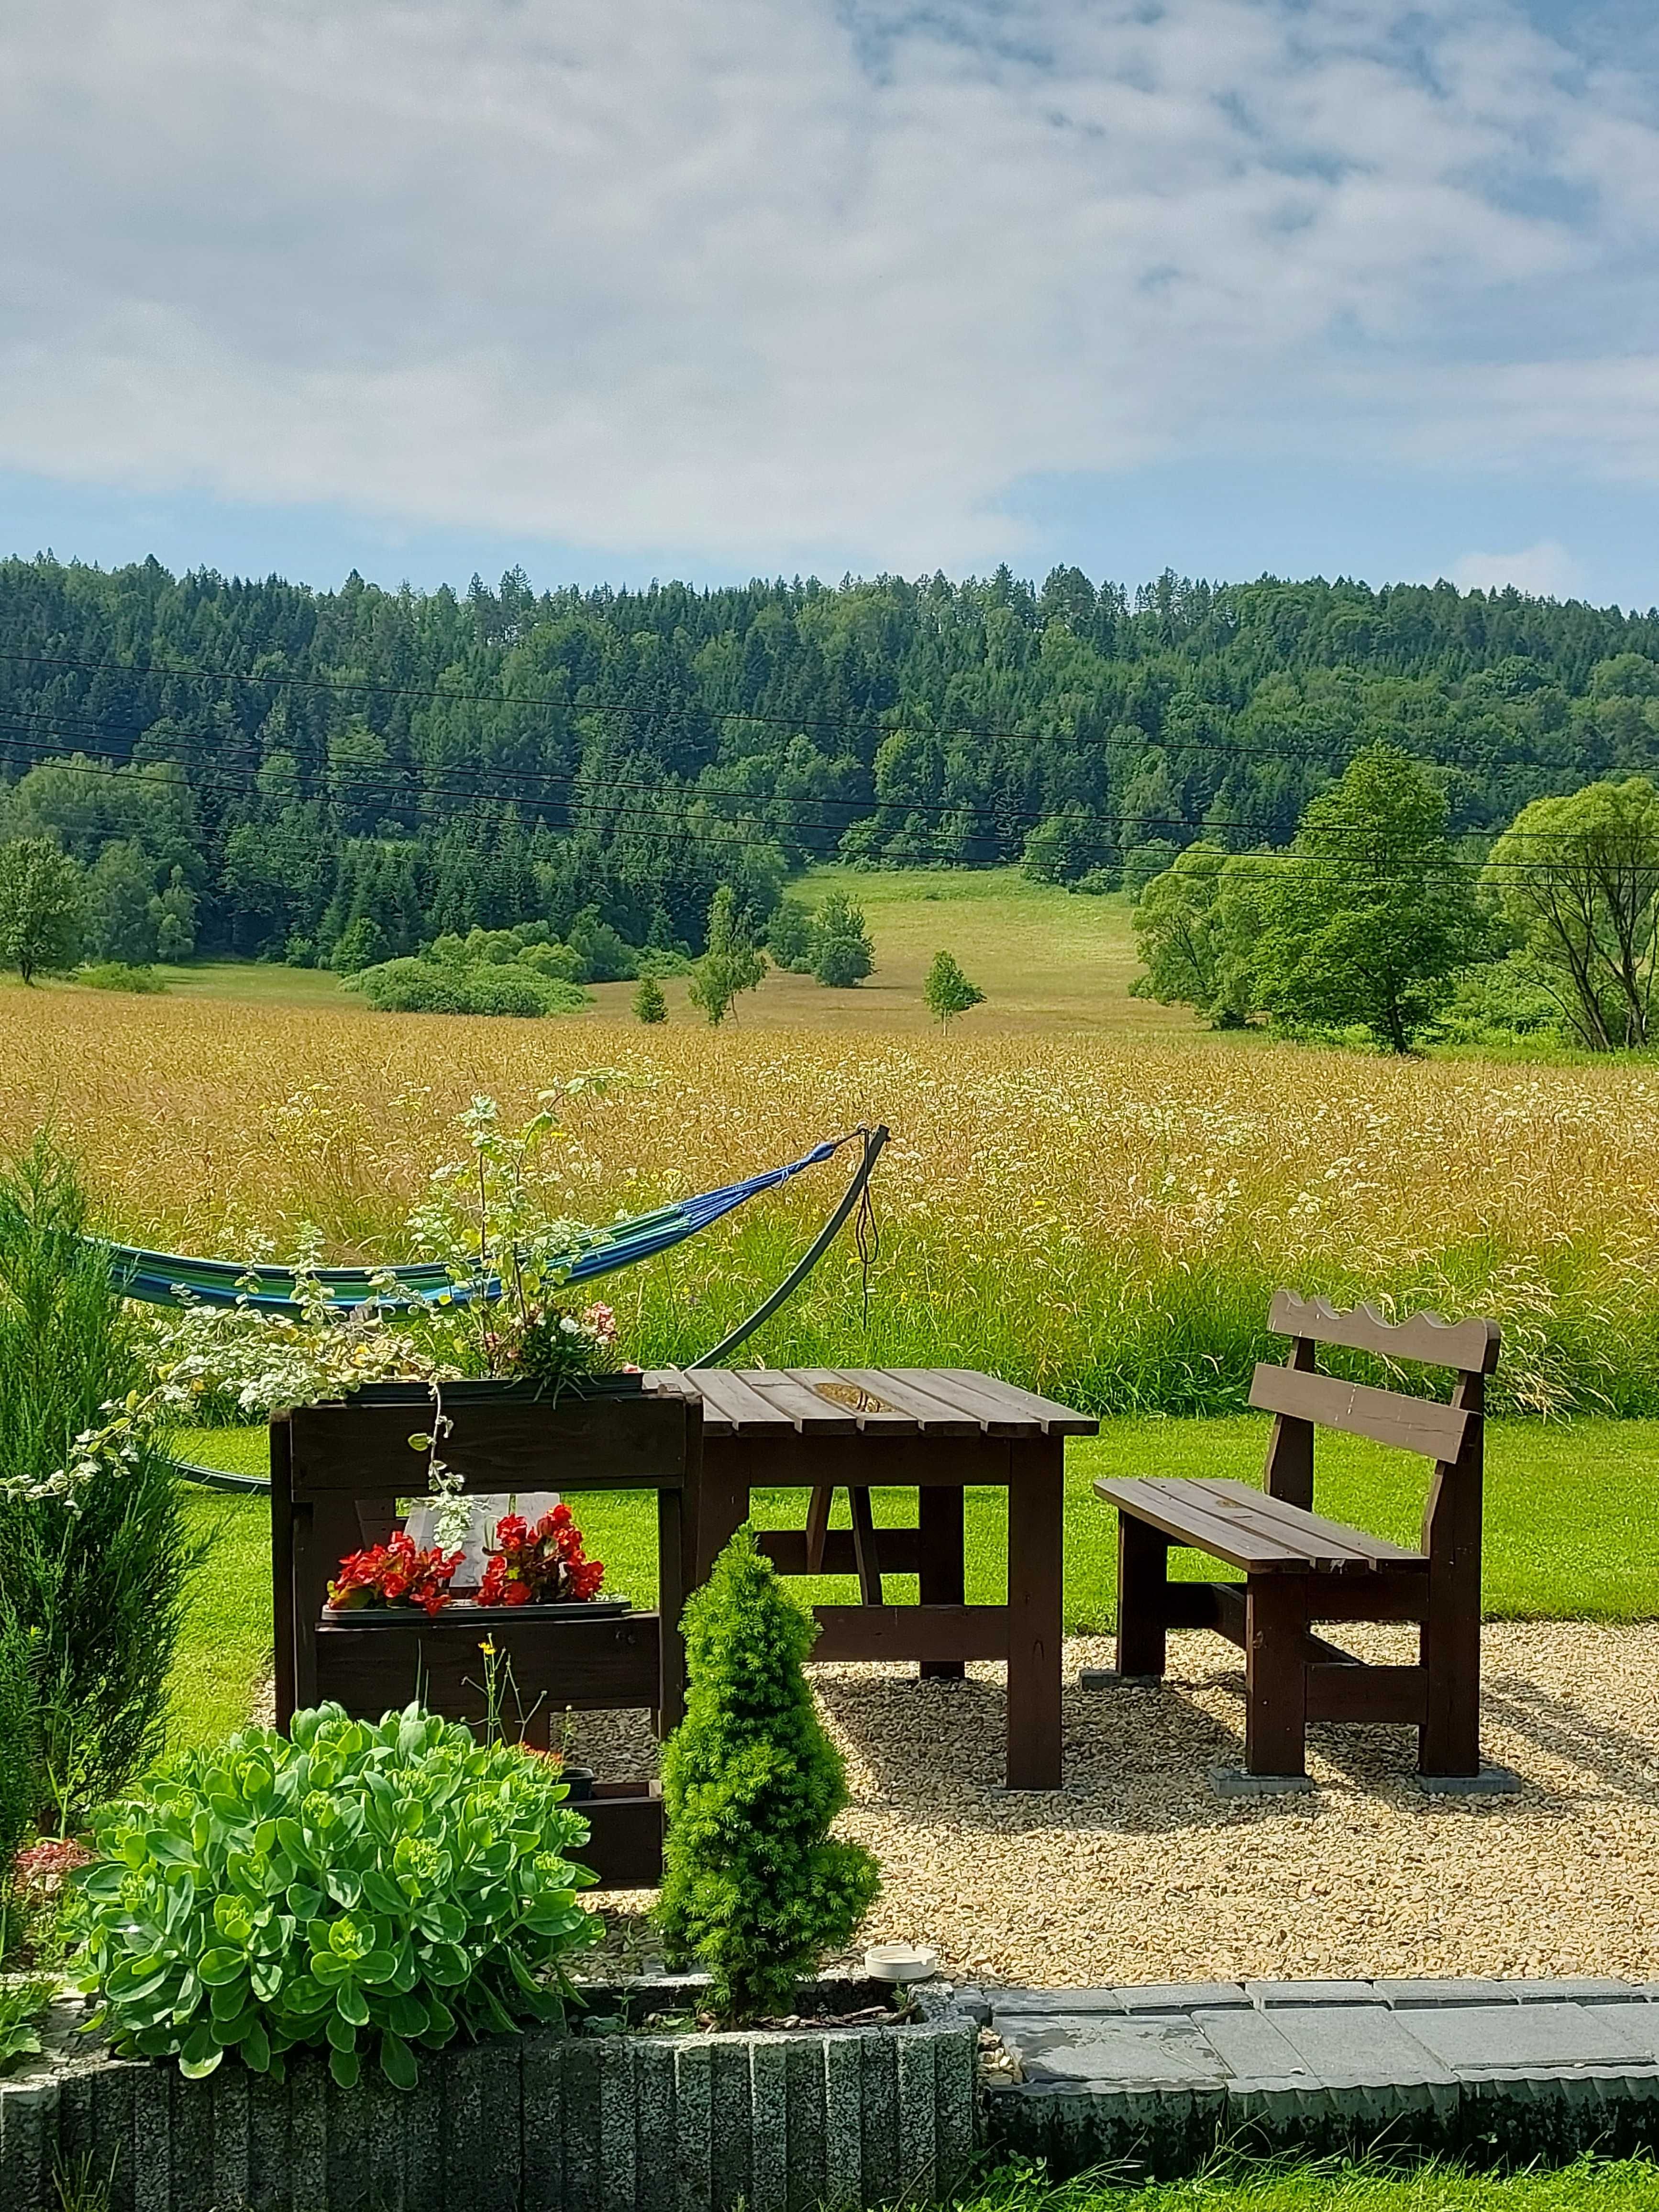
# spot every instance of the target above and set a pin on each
(873, 1410)
(1417, 1425)
(1275, 1677)
(940, 1564)
(858, 1429)
(1301, 1568)
(337, 1470)
(1471, 1346)
(1035, 1592)
(1143, 1566)
(931, 1416)
(898, 1550)
(1051, 1418)
(1290, 1453)
(866, 1561)
(916, 1631)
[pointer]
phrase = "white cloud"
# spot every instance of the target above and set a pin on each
(730, 276)
(1544, 571)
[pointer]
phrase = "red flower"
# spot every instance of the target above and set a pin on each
(543, 1565)
(395, 1573)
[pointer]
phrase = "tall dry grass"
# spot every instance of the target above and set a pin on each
(1103, 1219)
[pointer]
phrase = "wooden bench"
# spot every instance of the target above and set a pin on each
(1299, 1568)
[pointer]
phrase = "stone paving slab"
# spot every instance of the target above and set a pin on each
(1163, 2076)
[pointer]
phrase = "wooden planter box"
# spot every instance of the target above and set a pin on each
(334, 1471)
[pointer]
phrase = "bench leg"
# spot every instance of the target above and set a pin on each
(1275, 1676)
(1143, 1564)
(1448, 1741)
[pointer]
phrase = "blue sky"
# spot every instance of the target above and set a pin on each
(426, 286)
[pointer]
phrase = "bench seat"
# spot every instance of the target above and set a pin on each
(1251, 1530)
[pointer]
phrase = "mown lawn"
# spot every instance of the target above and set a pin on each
(1588, 2186)
(1572, 1531)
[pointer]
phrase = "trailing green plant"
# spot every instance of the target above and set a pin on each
(394, 1881)
(23, 2001)
(96, 1560)
(754, 1886)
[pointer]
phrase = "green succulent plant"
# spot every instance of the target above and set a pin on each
(392, 1880)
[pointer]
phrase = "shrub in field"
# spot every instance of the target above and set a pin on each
(754, 1887)
(650, 1004)
(96, 1562)
(442, 987)
(389, 1883)
(141, 982)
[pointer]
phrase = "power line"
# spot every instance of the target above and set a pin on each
(404, 787)
(660, 820)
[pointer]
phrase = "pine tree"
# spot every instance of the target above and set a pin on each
(650, 1004)
(754, 1887)
(947, 991)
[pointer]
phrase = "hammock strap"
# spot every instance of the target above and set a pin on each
(856, 1194)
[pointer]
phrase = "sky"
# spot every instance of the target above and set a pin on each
(714, 289)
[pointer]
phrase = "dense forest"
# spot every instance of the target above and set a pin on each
(280, 763)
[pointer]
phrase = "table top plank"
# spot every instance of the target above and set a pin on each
(887, 1417)
(735, 1408)
(799, 1404)
(989, 1417)
(1055, 1418)
(920, 1410)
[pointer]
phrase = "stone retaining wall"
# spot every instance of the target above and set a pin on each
(781, 2122)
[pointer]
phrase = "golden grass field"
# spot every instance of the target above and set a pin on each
(1105, 1214)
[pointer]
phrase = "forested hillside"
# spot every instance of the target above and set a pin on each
(283, 760)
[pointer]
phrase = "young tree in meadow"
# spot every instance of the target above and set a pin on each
(121, 920)
(842, 954)
(42, 907)
(789, 936)
(947, 992)
(650, 1004)
(1578, 880)
(1176, 933)
(733, 962)
(1369, 916)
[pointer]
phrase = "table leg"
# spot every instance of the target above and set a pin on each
(722, 1501)
(939, 1521)
(670, 1604)
(1036, 1493)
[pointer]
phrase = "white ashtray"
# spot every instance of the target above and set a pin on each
(901, 1962)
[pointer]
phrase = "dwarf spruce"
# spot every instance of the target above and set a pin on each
(754, 1889)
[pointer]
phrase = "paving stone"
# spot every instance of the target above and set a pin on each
(1181, 1997)
(1269, 1994)
(1252, 2048)
(1492, 2039)
(1361, 2046)
(1405, 1994)
(1057, 2001)
(1111, 2051)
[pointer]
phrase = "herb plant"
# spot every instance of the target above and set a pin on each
(393, 1882)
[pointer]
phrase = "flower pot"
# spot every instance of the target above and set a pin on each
(459, 1614)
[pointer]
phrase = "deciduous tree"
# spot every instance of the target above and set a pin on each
(42, 907)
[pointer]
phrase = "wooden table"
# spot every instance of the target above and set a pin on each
(938, 1430)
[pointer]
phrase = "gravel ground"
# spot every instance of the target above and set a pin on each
(1136, 1873)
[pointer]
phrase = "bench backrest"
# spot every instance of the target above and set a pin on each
(1302, 1399)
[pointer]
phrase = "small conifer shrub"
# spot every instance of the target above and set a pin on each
(755, 1888)
(650, 1004)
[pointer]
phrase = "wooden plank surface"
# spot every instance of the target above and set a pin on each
(1177, 1507)
(801, 1405)
(991, 1416)
(1416, 1425)
(1052, 1419)
(911, 1631)
(929, 1414)
(730, 1407)
(1274, 1515)
(873, 1412)
(1471, 1344)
